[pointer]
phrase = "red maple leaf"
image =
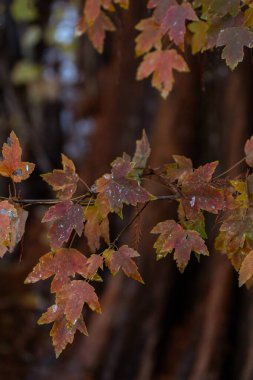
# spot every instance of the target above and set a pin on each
(122, 259)
(63, 181)
(161, 6)
(94, 262)
(11, 165)
(174, 21)
(161, 64)
(173, 238)
(119, 188)
(199, 193)
(97, 30)
(62, 331)
(149, 37)
(62, 264)
(91, 10)
(72, 297)
(65, 217)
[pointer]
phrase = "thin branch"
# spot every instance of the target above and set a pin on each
(81, 200)
(129, 224)
(230, 169)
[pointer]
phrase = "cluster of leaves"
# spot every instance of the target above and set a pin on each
(173, 24)
(197, 192)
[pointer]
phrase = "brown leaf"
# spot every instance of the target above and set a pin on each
(234, 39)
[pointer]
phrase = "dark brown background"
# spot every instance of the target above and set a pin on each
(196, 326)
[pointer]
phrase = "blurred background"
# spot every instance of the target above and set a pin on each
(59, 95)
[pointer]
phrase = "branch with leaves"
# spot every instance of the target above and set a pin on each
(196, 191)
(170, 27)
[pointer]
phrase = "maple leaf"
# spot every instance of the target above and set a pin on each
(234, 39)
(220, 7)
(12, 226)
(160, 64)
(142, 153)
(174, 238)
(62, 331)
(94, 262)
(11, 164)
(199, 39)
(65, 217)
(149, 37)
(96, 226)
(63, 181)
(199, 193)
(161, 6)
(72, 297)
(179, 170)
(98, 30)
(91, 10)
(235, 229)
(122, 259)
(62, 264)
(248, 149)
(174, 21)
(246, 270)
(119, 188)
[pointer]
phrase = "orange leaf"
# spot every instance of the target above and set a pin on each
(122, 259)
(12, 226)
(246, 270)
(62, 264)
(149, 37)
(11, 165)
(161, 64)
